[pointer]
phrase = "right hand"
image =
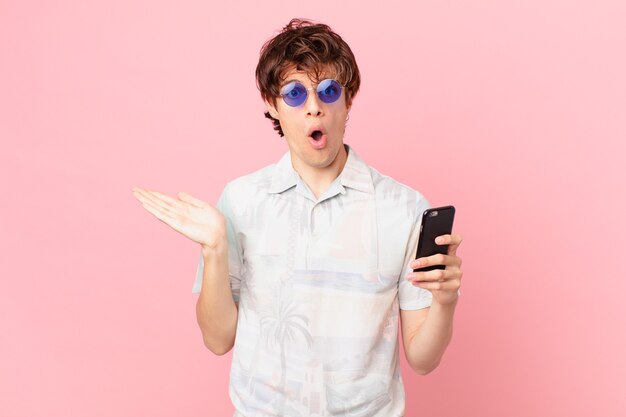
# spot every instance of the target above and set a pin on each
(193, 218)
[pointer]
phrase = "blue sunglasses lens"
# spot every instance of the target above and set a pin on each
(295, 94)
(329, 91)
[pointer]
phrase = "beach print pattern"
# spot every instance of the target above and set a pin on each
(319, 284)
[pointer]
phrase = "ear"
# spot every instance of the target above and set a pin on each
(271, 109)
(349, 103)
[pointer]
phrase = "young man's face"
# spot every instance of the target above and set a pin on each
(298, 123)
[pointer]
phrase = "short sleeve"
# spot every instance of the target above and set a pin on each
(235, 252)
(410, 296)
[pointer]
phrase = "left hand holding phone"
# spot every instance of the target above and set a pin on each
(444, 284)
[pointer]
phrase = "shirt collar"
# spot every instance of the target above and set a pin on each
(355, 174)
(284, 176)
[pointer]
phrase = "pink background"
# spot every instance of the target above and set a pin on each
(512, 111)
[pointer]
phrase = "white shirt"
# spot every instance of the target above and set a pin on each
(319, 284)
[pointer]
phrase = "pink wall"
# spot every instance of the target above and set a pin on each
(512, 111)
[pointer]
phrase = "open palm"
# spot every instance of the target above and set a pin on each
(193, 218)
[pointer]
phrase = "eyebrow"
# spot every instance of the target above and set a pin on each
(290, 81)
(325, 77)
(286, 83)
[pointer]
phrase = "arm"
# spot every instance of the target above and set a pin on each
(216, 311)
(201, 222)
(426, 334)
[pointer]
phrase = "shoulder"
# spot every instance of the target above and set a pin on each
(244, 190)
(257, 180)
(399, 195)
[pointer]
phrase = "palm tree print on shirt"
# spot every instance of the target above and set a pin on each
(281, 325)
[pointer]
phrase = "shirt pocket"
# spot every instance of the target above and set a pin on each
(266, 253)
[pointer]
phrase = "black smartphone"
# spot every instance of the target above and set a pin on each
(435, 222)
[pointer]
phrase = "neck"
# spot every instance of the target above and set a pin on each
(319, 179)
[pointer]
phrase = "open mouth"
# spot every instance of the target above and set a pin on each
(317, 135)
(317, 138)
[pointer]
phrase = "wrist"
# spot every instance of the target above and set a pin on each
(447, 305)
(217, 249)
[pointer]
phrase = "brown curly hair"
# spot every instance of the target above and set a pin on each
(308, 47)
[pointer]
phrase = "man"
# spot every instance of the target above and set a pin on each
(307, 264)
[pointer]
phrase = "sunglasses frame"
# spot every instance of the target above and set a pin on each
(341, 88)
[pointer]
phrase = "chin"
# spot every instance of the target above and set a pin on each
(328, 155)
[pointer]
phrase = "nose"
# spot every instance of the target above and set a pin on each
(313, 105)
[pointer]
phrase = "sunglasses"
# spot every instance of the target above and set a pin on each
(295, 94)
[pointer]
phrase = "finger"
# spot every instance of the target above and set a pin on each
(453, 240)
(434, 275)
(163, 199)
(191, 199)
(156, 205)
(437, 259)
(165, 218)
(158, 202)
(451, 285)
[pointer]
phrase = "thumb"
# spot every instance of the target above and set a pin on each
(191, 199)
